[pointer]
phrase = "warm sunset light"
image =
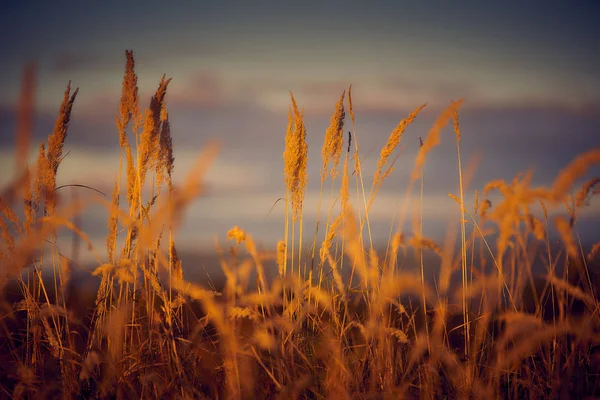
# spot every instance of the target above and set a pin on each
(240, 200)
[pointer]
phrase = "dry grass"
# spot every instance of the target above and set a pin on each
(385, 332)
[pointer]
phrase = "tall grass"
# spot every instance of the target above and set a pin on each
(305, 331)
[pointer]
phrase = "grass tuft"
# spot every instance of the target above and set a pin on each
(337, 320)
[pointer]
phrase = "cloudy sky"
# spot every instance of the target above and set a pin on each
(527, 71)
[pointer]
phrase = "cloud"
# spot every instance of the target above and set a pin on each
(380, 94)
(247, 194)
(99, 169)
(203, 88)
(510, 139)
(220, 90)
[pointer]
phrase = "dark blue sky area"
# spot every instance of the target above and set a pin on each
(527, 70)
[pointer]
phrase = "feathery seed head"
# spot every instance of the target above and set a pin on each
(393, 141)
(128, 107)
(150, 136)
(237, 234)
(350, 107)
(295, 158)
(433, 138)
(334, 138)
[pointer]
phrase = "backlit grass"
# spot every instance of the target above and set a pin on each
(333, 318)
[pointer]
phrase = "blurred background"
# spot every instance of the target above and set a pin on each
(527, 71)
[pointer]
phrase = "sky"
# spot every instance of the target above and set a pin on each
(527, 72)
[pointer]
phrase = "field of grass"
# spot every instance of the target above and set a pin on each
(334, 318)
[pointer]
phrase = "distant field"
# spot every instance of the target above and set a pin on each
(508, 312)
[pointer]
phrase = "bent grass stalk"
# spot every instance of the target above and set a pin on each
(151, 333)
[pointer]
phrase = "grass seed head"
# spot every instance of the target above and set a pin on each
(295, 158)
(334, 138)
